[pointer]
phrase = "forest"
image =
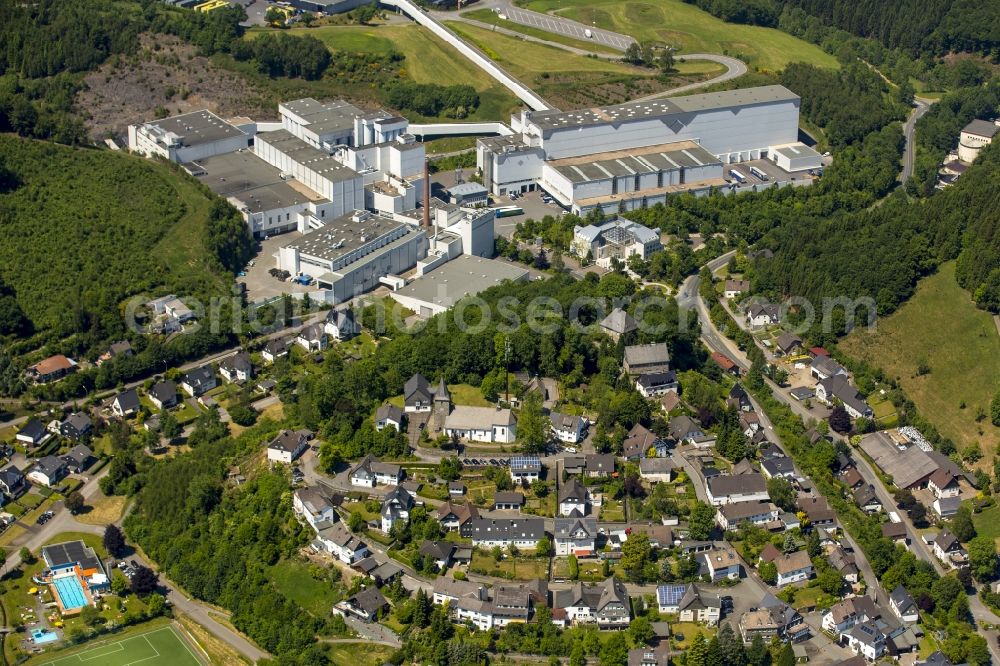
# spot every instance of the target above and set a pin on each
(104, 214)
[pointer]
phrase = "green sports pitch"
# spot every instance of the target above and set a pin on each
(157, 647)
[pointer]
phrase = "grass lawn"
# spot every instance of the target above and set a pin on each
(103, 510)
(518, 568)
(220, 653)
(961, 348)
(689, 29)
(491, 17)
(153, 647)
(466, 394)
(359, 654)
(570, 80)
(885, 411)
(587, 570)
(689, 630)
(612, 511)
(987, 523)
(427, 60)
(449, 144)
(351, 507)
(293, 579)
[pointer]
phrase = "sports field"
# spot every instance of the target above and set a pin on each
(156, 647)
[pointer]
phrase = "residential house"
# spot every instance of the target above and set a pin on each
(641, 442)
(778, 468)
(574, 464)
(336, 539)
(47, 471)
(521, 532)
(287, 446)
(668, 597)
(417, 394)
(454, 517)
(948, 549)
(606, 604)
(75, 426)
(817, 510)
(236, 368)
(669, 401)
(163, 394)
(943, 484)
(727, 489)
(396, 507)
(735, 288)
(440, 552)
(511, 603)
(370, 473)
(843, 563)
(198, 381)
(793, 568)
(385, 573)
(618, 323)
(903, 606)
(685, 429)
(699, 606)
(867, 499)
(505, 500)
(725, 363)
(722, 563)
(456, 489)
(653, 384)
(839, 388)
(787, 344)
(738, 398)
(568, 428)
(824, 367)
(481, 424)
(896, 532)
(749, 423)
(448, 590)
(650, 656)
(314, 505)
(478, 612)
(852, 478)
(525, 469)
(773, 618)
(845, 615)
(389, 416)
(936, 659)
(946, 507)
(575, 536)
(867, 640)
(367, 604)
(119, 349)
(78, 459)
(646, 359)
(759, 314)
(312, 338)
(12, 482)
(125, 404)
(274, 349)
(341, 325)
(655, 470)
(50, 369)
(33, 434)
(731, 516)
(574, 498)
(599, 465)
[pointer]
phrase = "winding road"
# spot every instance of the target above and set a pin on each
(909, 133)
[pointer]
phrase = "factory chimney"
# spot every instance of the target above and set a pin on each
(427, 193)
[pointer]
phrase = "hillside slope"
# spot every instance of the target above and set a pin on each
(84, 229)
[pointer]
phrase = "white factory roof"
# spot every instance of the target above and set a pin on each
(251, 180)
(195, 128)
(462, 276)
(343, 235)
(326, 117)
(306, 155)
(796, 150)
(618, 163)
(983, 128)
(549, 120)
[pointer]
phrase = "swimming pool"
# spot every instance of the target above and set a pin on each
(43, 636)
(70, 592)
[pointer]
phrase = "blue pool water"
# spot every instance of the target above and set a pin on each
(43, 636)
(70, 592)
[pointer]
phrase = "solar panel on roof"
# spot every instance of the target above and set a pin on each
(670, 595)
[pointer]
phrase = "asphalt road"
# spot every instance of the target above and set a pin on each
(909, 133)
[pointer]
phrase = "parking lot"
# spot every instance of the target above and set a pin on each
(261, 285)
(562, 26)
